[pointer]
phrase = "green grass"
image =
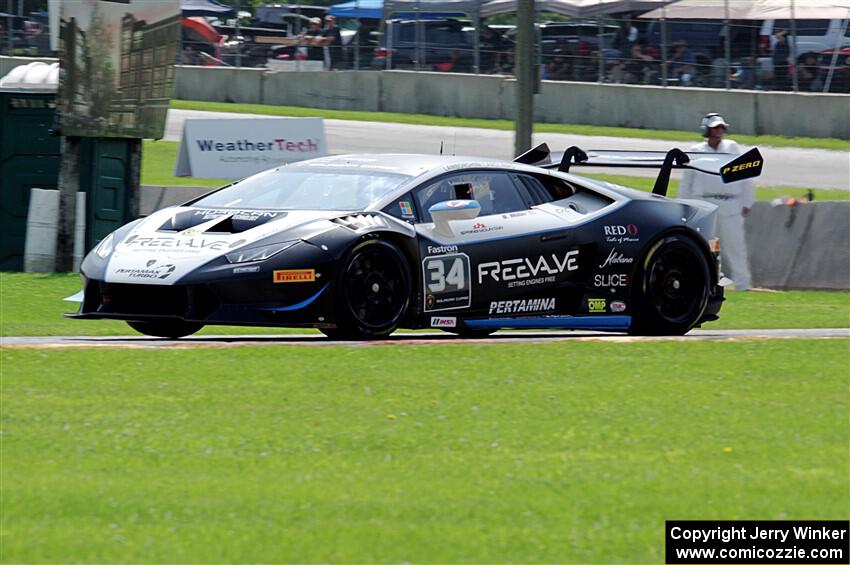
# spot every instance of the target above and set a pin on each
(572, 453)
(32, 305)
(158, 158)
(575, 129)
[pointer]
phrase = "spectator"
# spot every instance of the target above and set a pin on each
(781, 53)
(625, 38)
(734, 200)
(558, 68)
(682, 64)
(190, 56)
(333, 41)
(491, 50)
(640, 66)
(744, 74)
(314, 39)
(808, 74)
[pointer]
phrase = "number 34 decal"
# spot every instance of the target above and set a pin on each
(446, 282)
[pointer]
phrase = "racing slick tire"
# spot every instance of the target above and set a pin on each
(373, 291)
(672, 288)
(172, 329)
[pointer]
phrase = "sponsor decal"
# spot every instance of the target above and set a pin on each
(611, 280)
(211, 213)
(618, 306)
(741, 167)
(278, 144)
(249, 269)
(294, 276)
(478, 227)
(149, 272)
(446, 281)
(437, 322)
(621, 234)
(406, 209)
(440, 249)
(514, 215)
(595, 305)
(175, 244)
(616, 258)
(522, 306)
(456, 203)
(524, 271)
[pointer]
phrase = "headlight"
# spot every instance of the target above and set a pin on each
(252, 254)
(104, 248)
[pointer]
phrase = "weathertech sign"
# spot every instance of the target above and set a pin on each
(295, 275)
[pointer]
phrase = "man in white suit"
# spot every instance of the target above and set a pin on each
(734, 200)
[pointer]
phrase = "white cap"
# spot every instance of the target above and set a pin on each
(715, 121)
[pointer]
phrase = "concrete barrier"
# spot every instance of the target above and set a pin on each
(465, 95)
(801, 247)
(494, 97)
(42, 222)
(153, 198)
(219, 84)
(333, 90)
(803, 114)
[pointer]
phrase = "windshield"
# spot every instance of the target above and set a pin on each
(298, 189)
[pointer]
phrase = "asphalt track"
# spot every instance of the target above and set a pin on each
(421, 338)
(784, 166)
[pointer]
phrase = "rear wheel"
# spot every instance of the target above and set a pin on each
(672, 288)
(373, 291)
(166, 328)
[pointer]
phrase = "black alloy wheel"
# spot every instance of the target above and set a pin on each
(171, 329)
(672, 288)
(373, 291)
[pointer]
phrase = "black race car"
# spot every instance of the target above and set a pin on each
(360, 245)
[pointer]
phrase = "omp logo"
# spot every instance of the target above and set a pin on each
(595, 305)
(515, 269)
(741, 167)
(294, 275)
(437, 322)
(520, 306)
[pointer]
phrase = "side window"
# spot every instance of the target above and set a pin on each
(550, 188)
(403, 209)
(495, 191)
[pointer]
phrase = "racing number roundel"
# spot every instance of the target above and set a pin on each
(446, 282)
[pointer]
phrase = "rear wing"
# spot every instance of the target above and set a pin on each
(742, 167)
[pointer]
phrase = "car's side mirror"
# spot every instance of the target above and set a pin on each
(444, 212)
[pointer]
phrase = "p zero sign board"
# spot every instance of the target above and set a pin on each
(236, 148)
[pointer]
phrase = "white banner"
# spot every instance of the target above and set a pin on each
(233, 149)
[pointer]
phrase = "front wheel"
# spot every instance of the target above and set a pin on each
(373, 291)
(172, 329)
(672, 288)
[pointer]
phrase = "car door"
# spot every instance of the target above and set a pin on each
(500, 262)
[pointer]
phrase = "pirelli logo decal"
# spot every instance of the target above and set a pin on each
(295, 276)
(746, 166)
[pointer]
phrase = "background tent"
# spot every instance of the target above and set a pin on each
(368, 9)
(190, 8)
(574, 8)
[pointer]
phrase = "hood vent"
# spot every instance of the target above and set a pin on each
(359, 222)
(231, 221)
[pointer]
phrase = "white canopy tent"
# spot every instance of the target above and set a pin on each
(574, 8)
(753, 10)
